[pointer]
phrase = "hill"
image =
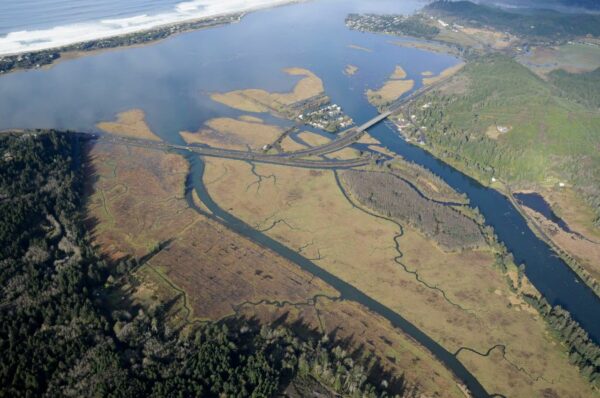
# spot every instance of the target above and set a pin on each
(497, 119)
(532, 23)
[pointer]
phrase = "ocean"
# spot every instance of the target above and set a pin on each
(30, 25)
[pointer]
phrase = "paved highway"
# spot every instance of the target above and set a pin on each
(240, 155)
(343, 140)
(296, 158)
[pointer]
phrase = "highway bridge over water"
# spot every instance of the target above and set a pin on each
(294, 158)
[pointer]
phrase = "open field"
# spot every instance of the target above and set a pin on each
(136, 199)
(205, 271)
(243, 133)
(443, 75)
(215, 267)
(313, 139)
(575, 212)
(131, 123)
(391, 90)
(289, 145)
(572, 57)
(342, 154)
(460, 299)
(220, 270)
(477, 38)
(430, 46)
(257, 100)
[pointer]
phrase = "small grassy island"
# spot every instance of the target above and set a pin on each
(392, 90)
(307, 103)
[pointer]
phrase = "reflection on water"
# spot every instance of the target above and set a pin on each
(536, 202)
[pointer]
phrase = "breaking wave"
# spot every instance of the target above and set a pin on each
(34, 40)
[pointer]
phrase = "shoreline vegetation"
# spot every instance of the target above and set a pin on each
(88, 326)
(442, 121)
(38, 59)
(447, 125)
(138, 186)
(563, 242)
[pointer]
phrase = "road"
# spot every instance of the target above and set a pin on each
(344, 139)
(240, 155)
(296, 158)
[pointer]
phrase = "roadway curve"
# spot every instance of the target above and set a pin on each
(296, 158)
(241, 155)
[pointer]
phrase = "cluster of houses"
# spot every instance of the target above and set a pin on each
(452, 26)
(329, 118)
(402, 124)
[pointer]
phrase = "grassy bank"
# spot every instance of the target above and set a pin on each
(496, 119)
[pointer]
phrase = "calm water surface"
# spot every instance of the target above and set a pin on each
(170, 82)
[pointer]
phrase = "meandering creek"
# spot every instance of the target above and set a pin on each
(171, 81)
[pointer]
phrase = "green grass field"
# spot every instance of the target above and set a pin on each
(550, 138)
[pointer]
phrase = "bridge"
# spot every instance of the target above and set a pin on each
(240, 155)
(295, 158)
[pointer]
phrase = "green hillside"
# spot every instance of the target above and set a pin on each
(582, 87)
(496, 118)
(522, 22)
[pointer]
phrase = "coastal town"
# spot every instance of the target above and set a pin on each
(330, 118)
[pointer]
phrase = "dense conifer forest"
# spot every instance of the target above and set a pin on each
(58, 336)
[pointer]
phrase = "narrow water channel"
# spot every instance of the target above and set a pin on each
(347, 291)
(548, 272)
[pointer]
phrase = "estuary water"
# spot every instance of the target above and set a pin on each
(171, 80)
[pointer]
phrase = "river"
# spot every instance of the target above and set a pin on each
(171, 80)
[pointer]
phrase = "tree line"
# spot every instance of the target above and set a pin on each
(60, 337)
(583, 352)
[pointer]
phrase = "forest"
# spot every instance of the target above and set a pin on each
(59, 337)
(530, 23)
(582, 351)
(549, 136)
(392, 24)
(581, 87)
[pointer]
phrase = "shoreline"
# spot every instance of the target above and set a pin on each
(504, 189)
(36, 59)
(44, 58)
(538, 229)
